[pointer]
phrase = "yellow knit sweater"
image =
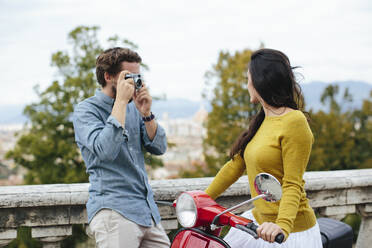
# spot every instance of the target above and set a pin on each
(281, 147)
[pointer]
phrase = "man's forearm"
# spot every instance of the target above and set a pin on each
(119, 111)
(151, 127)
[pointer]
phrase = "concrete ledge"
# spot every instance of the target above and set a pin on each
(52, 209)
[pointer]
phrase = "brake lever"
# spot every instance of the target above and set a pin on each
(248, 230)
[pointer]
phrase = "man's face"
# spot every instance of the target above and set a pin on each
(132, 67)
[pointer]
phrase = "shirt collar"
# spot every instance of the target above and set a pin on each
(106, 101)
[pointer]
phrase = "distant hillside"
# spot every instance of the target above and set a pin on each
(12, 114)
(176, 108)
(183, 108)
(313, 91)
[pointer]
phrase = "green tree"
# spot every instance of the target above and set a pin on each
(47, 147)
(231, 110)
(363, 133)
(342, 137)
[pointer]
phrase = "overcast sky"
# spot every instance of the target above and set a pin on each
(180, 40)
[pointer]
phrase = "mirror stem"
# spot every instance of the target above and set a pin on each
(215, 219)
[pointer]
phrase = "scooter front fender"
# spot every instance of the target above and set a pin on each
(196, 238)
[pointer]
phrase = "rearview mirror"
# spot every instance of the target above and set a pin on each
(269, 186)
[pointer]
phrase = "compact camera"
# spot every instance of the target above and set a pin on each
(137, 80)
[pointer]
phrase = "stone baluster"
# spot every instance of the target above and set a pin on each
(365, 230)
(7, 235)
(51, 236)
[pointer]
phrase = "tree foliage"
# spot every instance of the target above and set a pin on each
(343, 137)
(231, 108)
(48, 149)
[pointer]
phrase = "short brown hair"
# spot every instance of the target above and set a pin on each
(110, 61)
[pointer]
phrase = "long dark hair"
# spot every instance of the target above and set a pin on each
(273, 78)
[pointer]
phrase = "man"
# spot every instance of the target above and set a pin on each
(110, 129)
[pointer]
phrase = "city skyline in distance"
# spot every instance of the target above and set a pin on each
(11, 115)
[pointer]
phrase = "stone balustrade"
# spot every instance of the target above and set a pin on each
(51, 210)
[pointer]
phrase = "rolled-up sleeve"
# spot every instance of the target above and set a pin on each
(103, 139)
(158, 145)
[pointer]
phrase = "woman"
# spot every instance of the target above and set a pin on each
(278, 141)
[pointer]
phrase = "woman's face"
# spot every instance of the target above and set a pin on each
(252, 91)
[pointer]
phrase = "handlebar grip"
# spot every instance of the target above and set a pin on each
(279, 238)
(252, 226)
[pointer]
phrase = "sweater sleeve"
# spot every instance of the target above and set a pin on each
(229, 174)
(296, 145)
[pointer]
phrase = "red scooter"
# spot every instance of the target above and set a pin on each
(202, 218)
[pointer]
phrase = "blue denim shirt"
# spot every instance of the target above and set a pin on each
(114, 159)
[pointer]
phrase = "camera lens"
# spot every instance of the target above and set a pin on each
(138, 83)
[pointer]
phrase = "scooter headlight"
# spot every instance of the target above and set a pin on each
(186, 210)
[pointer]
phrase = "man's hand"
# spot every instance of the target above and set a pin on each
(143, 101)
(268, 231)
(124, 88)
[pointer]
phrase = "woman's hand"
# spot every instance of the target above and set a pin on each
(268, 231)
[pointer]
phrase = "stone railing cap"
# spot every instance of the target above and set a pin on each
(77, 194)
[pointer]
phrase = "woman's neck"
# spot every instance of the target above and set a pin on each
(275, 111)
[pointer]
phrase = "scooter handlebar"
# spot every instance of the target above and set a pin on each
(253, 227)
